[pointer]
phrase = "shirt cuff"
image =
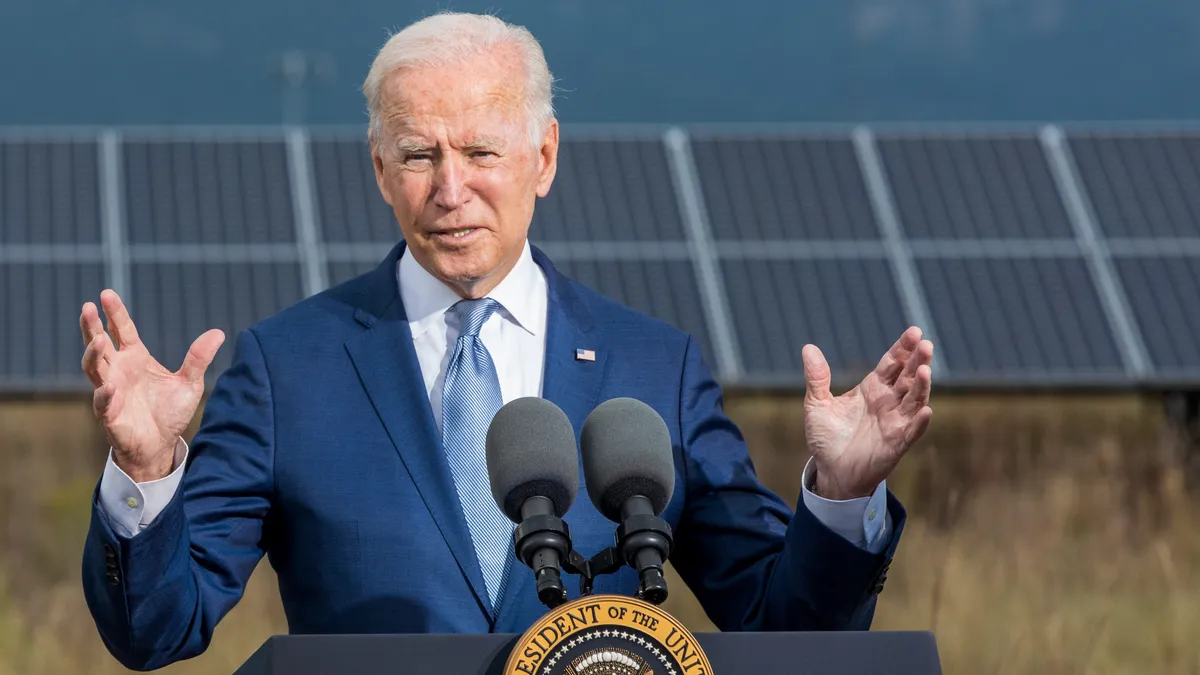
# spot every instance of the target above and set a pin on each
(130, 506)
(863, 521)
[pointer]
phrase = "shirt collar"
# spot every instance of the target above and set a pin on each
(426, 298)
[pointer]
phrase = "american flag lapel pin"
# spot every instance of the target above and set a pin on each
(585, 355)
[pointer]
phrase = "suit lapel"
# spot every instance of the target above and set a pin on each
(389, 370)
(571, 384)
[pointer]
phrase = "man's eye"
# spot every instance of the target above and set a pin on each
(419, 157)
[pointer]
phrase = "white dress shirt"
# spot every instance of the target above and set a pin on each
(515, 336)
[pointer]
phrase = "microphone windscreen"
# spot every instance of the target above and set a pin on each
(531, 452)
(626, 450)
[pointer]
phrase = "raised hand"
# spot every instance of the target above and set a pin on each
(856, 439)
(143, 406)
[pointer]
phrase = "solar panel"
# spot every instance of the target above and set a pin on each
(349, 206)
(664, 289)
(783, 188)
(1164, 295)
(973, 188)
(173, 303)
(1019, 318)
(1142, 185)
(848, 308)
(49, 192)
(40, 343)
(207, 192)
(344, 270)
(211, 241)
(610, 190)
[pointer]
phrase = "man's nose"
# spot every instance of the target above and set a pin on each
(450, 184)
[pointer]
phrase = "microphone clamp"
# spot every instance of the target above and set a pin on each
(604, 562)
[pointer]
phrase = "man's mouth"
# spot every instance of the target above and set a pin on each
(456, 235)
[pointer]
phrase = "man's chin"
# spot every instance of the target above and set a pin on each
(464, 269)
(463, 274)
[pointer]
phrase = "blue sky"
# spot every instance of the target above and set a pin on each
(685, 61)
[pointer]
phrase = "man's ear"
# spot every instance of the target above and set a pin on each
(548, 159)
(377, 159)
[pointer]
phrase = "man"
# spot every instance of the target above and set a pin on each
(345, 441)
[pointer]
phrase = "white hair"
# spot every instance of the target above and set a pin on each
(451, 37)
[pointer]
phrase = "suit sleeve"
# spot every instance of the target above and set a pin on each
(156, 597)
(752, 562)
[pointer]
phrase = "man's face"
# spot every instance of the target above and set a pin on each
(455, 163)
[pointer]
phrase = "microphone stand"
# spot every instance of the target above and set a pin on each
(543, 542)
(604, 562)
(643, 542)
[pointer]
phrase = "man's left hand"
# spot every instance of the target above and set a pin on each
(856, 439)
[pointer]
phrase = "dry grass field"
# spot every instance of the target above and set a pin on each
(1046, 536)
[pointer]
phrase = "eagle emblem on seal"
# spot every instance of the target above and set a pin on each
(609, 662)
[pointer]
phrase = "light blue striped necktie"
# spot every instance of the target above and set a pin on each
(470, 399)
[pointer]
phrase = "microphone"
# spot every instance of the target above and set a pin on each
(533, 467)
(630, 473)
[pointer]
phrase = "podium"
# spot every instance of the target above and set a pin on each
(748, 653)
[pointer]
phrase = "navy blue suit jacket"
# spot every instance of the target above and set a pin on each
(318, 448)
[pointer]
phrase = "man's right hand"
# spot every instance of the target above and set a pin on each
(143, 406)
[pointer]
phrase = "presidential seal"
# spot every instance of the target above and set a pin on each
(607, 635)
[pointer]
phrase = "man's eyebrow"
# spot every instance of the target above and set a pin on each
(486, 143)
(412, 145)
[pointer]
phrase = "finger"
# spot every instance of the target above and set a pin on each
(103, 399)
(889, 367)
(96, 359)
(89, 322)
(922, 356)
(918, 395)
(816, 374)
(201, 354)
(123, 331)
(918, 426)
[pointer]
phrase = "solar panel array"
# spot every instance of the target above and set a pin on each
(1032, 257)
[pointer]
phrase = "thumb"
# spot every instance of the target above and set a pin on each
(816, 375)
(201, 354)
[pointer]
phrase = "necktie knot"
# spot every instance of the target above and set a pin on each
(472, 314)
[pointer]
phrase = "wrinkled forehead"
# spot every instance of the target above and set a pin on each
(479, 97)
